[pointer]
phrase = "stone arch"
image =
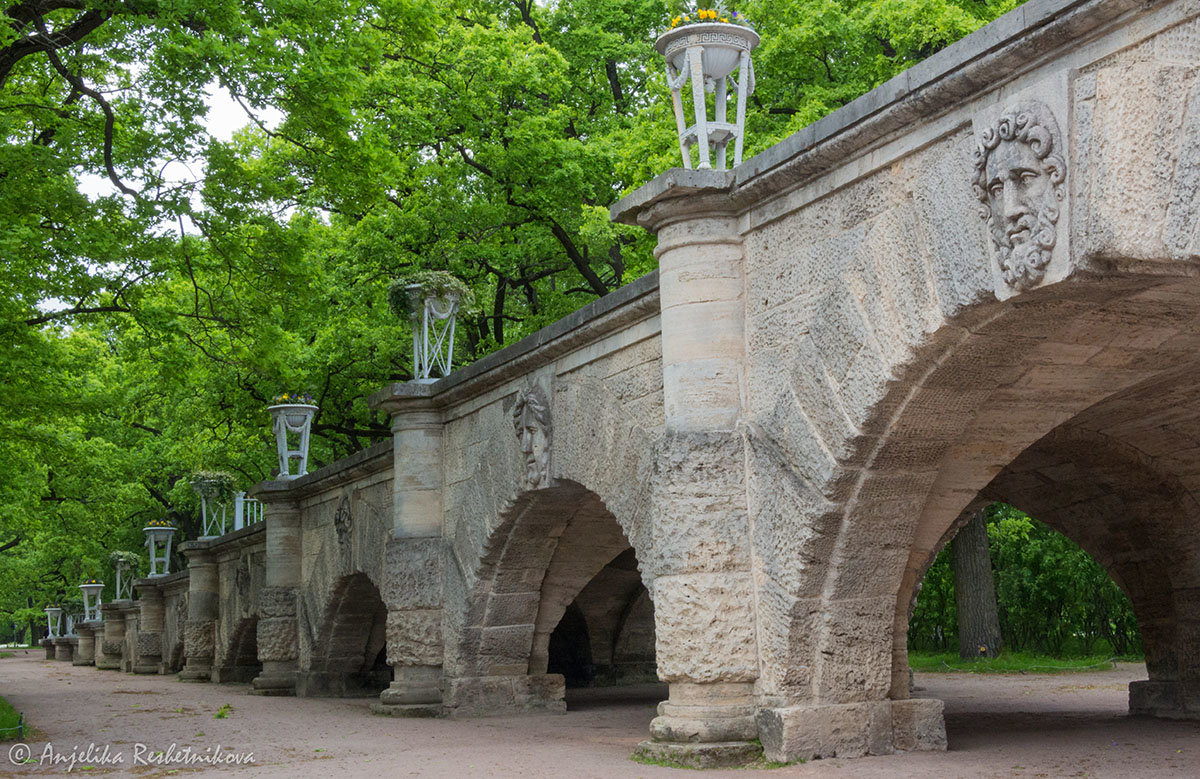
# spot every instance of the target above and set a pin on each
(239, 662)
(548, 546)
(349, 653)
(843, 549)
(987, 393)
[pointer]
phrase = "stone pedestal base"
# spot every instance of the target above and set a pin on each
(196, 672)
(235, 674)
(277, 678)
(486, 696)
(851, 729)
(1167, 699)
(64, 649)
(711, 713)
(728, 754)
(48, 645)
(416, 691)
(416, 710)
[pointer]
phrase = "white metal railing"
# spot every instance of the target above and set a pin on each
(246, 511)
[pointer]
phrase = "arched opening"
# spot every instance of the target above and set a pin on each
(1077, 402)
(559, 603)
(240, 663)
(610, 626)
(1087, 418)
(350, 653)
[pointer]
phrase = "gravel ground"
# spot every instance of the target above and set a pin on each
(1018, 725)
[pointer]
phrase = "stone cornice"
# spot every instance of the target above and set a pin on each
(373, 459)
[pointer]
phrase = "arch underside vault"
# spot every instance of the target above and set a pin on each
(1076, 403)
(350, 657)
(548, 547)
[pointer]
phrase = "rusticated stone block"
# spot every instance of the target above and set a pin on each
(918, 725)
(851, 729)
(278, 602)
(413, 578)
(414, 637)
(699, 514)
(277, 639)
(149, 644)
(704, 626)
(198, 639)
(112, 648)
(483, 696)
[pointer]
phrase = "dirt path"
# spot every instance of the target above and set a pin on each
(1027, 726)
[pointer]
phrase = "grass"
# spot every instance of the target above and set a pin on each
(6, 654)
(8, 722)
(1012, 662)
(223, 712)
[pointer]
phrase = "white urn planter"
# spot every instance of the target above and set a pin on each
(292, 419)
(158, 542)
(707, 54)
(91, 599)
(216, 493)
(53, 615)
(433, 313)
(123, 565)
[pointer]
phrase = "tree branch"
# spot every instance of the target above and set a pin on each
(110, 120)
(577, 259)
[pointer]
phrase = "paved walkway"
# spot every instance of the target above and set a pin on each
(1029, 726)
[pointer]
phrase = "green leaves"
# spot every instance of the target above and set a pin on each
(1053, 597)
(146, 331)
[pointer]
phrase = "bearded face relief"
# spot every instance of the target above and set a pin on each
(1019, 181)
(531, 418)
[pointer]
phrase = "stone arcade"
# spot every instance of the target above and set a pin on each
(754, 454)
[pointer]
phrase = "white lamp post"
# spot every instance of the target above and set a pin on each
(158, 542)
(291, 418)
(707, 54)
(91, 599)
(53, 615)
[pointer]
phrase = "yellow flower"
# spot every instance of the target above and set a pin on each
(724, 20)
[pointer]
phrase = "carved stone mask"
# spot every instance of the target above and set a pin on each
(531, 418)
(1019, 181)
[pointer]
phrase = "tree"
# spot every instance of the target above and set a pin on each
(160, 286)
(974, 591)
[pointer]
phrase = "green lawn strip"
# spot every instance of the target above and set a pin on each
(8, 722)
(1012, 662)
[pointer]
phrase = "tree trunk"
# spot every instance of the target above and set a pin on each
(975, 591)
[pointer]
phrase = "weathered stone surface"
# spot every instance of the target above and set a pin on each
(277, 639)
(704, 627)
(198, 639)
(414, 637)
(413, 579)
(701, 756)
(277, 602)
(149, 644)
(484, 696)
(851, 729)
